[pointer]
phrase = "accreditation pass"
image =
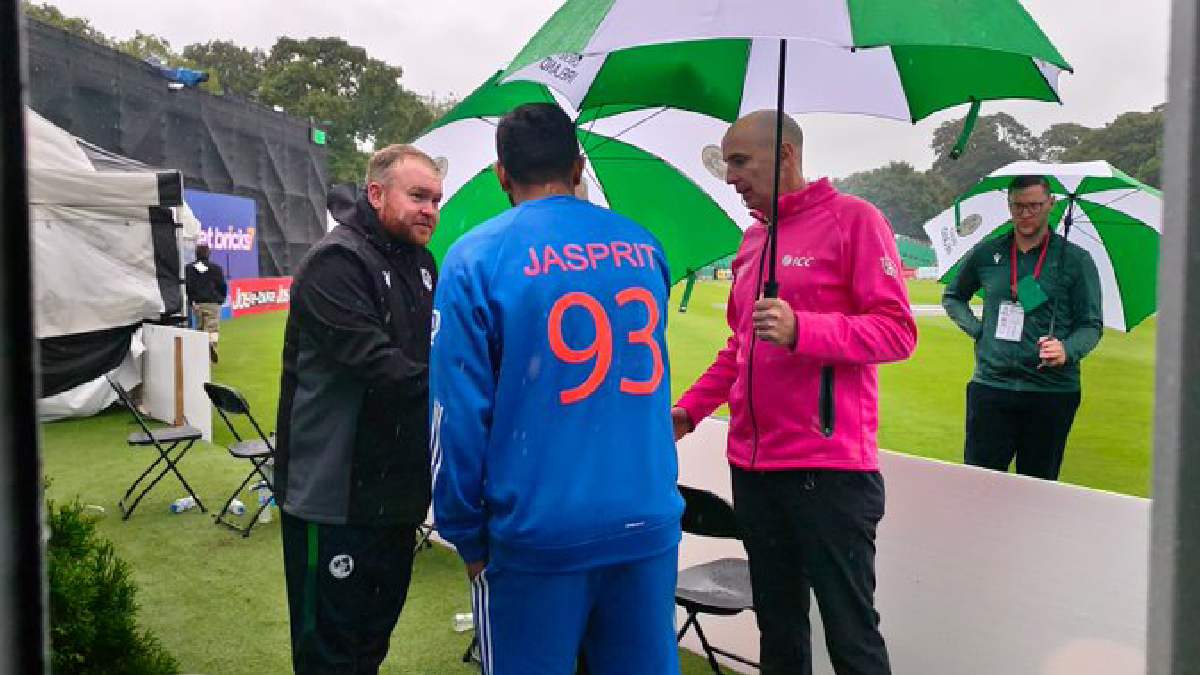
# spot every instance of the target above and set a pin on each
(1011, 322)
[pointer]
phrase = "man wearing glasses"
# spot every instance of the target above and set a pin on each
(1041, 316)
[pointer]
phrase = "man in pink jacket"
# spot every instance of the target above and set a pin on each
(799, 374)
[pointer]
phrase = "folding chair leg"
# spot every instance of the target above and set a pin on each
(708, 649)
(220, 517)
(686, 625)
(472, 649)
(128, 511)
(163, 456)
(424, 532)
(171, 465)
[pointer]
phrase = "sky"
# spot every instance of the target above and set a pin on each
(448, 47)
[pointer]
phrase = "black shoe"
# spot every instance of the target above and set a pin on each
(212, 353)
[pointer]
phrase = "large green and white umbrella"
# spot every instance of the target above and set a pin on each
(900, 59)
(660, 167)
(1115, 218)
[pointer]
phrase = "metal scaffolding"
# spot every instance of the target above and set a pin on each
(23, 604)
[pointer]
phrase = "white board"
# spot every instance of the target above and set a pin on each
(159, 376)
(978, 572)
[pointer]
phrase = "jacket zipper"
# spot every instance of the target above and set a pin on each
(762, 259)
(825, 401)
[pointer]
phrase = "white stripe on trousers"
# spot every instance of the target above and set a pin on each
(435, 441)
(481, 600)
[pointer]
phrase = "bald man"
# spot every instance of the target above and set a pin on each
(799, 374)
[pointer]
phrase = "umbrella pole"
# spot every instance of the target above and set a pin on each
(1050, 238)
(687, 291)
(1067, 220)
(771, 289)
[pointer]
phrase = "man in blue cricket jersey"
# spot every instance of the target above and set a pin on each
(553, 452)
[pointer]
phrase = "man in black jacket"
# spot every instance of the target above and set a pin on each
(352, 468)
(206, 289)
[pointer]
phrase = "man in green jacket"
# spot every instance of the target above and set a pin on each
(1041, 316)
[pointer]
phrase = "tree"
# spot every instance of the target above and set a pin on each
(1061, 138)
(47, 13)
(147, 45)
(440, 105)
(239, 70)
(906, 196)
(358, 99)
(1132, 143)
(997, 140)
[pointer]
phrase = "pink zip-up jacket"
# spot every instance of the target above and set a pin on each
(815, 406)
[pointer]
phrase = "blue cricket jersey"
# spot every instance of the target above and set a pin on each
(552, 443)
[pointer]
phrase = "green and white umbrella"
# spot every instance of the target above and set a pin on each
(1115, 218)
(899, 59)
(660, 167)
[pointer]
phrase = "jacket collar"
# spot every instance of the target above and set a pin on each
(796, 203)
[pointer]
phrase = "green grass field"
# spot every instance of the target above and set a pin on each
(217, 600)
(924, 292)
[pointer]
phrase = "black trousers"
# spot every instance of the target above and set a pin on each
(1031, 426)
(346, 586)
(813, 530)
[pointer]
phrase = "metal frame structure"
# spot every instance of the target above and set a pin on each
(1174, 611)
(24, 608)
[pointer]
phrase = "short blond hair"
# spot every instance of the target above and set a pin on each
(383, 160)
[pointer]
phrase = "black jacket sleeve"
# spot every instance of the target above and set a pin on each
(339, 311)
(222, 287)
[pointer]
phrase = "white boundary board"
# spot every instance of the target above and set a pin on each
(158, 376)
(978, 572)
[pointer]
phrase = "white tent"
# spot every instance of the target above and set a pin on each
(106, 234)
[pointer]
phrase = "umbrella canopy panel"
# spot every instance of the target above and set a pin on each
(898, 59)
(660, 167)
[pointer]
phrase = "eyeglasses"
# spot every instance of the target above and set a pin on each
(1026, 207)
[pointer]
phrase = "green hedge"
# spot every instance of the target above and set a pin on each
(93, 609)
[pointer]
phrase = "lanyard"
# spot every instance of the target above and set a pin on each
(1037, 269)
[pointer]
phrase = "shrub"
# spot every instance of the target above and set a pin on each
(93, 612)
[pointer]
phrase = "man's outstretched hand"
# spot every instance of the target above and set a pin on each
(681, 421)
(474, 569)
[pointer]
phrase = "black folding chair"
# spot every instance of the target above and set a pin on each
(720, 587)
(260, 452)
(178, 440)
(424, 532)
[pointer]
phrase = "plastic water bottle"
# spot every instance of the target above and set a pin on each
(183, 504)
(237, 508)
(266, 500)
(463, 622)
